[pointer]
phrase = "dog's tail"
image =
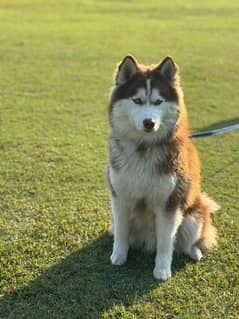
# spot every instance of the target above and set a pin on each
(210, 203)
(209, 233)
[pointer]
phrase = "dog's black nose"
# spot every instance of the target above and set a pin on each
(148, 124)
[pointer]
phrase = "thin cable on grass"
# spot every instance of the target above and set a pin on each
(222, 130)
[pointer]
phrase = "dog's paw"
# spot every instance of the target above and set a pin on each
(195, 253)
(118, 258)
(162, 273)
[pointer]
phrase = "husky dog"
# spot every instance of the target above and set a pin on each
(154, 169)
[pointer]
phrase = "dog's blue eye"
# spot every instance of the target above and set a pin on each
(158, 102)
(137, 101)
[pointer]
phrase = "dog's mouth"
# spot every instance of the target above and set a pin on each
(148, 130)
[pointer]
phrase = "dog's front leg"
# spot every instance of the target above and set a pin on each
(166, 224)
(121, 231)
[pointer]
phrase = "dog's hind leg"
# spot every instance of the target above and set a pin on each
(189, 233)
(197, 233)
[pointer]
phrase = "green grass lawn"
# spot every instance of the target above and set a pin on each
(56, 65)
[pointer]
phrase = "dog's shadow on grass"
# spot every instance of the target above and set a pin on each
(84, 285)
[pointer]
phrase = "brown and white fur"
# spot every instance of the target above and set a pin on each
(154, 170)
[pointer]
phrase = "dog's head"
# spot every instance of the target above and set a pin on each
(144, 101)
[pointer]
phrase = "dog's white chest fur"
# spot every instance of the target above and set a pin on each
(138, 177)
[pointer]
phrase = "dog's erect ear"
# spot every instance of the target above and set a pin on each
(168, 69)
(127, 68)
